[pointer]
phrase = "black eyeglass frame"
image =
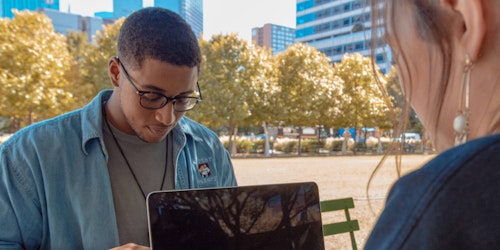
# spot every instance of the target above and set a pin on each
(166, 98)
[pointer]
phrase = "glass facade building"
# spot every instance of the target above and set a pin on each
(64, 22)
(336, 27)
(123, 8)
(190, 10)
(272, 36)
(6, 6)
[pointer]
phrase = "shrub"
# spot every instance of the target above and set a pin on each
(243, 146)
(334, 145)
(290, 146)
(258, 146)
(312, 146)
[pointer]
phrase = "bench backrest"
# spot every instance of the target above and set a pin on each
(349, 226)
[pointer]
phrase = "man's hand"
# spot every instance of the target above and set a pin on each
(130, 246)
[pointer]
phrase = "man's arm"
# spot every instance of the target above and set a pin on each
(20, 212)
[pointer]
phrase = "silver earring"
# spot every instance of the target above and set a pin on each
(461, 122)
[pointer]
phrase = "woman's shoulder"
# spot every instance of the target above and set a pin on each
(479, 155)
(456, 188)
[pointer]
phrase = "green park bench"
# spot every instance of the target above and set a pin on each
(348, 226)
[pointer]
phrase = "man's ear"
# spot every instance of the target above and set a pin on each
(473, 33)
(114, 70)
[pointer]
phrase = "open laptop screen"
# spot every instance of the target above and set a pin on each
(277, 216)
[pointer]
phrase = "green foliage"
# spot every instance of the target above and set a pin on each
(32, 70)
(258, 146)
(363, 105)
(399, 102)
(287, 147)
(334, 145)
(312, 146)
(95, 63)
(79, 47)
(242, 146)
(44, 74)
(230, 71)
(307, 88)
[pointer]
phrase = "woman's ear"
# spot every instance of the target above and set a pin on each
(474, 29)
(114, 70)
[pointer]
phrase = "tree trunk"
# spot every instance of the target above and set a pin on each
(299, 149)
(266, 143)
(231, 146)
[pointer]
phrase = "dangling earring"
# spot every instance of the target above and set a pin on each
(461, 122)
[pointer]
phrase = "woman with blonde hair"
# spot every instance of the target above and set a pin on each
(448, 54)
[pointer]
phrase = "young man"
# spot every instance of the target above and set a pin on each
(79, 181)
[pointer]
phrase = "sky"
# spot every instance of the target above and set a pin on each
(219, 16)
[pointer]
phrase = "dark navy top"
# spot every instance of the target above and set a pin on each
(453, 202)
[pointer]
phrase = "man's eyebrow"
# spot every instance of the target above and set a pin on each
(187, 92)
(153, 88)
(160, 90)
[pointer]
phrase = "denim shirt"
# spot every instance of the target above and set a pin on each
(453, 202)
(55, 190)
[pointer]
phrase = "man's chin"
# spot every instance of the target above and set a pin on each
(150, 139)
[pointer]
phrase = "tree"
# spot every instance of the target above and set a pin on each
(95, 63)
(32, 70)
(363, 104)
(225, 81)
(262, 97)
(79, 48)
(307, 87)
(411, 122)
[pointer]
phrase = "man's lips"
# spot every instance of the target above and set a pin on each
(159, 130)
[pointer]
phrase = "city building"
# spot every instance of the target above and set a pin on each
(104, 14)
(336, 27)
(6, 6)
(123, 8)
(275, 37)
(64, 22)
(190, 10)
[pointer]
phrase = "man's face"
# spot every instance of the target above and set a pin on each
(152, 125)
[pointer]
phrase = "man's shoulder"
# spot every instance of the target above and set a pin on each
(83, 122)
(50, 130)
(195, 129)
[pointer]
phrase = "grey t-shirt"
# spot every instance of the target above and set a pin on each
(148, 162)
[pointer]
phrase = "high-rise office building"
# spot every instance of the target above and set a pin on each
(336, 27)
(6, 6)
(190, 10)
(64, 22)
(273, 36)
(123, 8)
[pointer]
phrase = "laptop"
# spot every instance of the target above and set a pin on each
(276, 216)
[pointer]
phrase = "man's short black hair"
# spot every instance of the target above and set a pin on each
(159, 34)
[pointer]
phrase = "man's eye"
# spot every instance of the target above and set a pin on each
(182, 100)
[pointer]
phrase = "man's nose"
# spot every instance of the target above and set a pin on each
(166, 115)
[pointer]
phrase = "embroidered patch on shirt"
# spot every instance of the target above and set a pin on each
(204, 170)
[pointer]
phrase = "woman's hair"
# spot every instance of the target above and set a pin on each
(431, 27)
(159, 34)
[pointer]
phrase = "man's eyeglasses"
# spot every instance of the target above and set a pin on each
(154, 100)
